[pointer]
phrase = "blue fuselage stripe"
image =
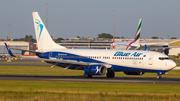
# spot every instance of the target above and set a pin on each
(69, 56)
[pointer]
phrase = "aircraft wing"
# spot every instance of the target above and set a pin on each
(163, 48)
(59, 61)
(68, 63)
(153, 45)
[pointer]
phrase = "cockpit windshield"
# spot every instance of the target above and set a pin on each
(164, 58)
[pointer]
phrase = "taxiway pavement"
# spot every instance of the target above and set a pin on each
(136, 80)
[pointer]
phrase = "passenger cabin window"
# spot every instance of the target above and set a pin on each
(163, 58)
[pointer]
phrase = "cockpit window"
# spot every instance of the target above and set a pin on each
(163, 58)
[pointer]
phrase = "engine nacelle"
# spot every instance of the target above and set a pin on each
(134, 73)
(95, 70)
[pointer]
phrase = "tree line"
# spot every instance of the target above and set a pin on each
(58, 40)
(31, 39)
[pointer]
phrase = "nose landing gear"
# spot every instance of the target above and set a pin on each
(159, 75)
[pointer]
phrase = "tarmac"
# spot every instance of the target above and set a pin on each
(130, 80)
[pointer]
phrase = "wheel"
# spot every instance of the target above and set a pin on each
(110, 75)
(159, 77)
(113, 74)
(87, 76)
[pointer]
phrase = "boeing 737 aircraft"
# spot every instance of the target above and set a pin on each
(98, 62)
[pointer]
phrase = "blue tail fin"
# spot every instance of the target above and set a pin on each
(9, 51)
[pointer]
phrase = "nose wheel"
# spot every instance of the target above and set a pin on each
(159, 77)
(159, 74)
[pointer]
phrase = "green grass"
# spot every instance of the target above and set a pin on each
(38, 70)
(89, 91)
(25, 62)
(47, 70)
(73, 91)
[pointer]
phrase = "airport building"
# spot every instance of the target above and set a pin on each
(91, 43)
(106, 43)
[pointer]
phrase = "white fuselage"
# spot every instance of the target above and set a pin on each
(121, 60)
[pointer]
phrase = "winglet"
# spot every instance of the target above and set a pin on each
(146, 48)
(9, 51)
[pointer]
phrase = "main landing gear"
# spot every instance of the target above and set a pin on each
(110, 74)
(87, 76)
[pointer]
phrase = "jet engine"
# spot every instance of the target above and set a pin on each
(95, 70)
(134, 73)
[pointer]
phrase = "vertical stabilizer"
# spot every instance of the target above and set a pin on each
(138, 32)
(136, 38)
(44, 40)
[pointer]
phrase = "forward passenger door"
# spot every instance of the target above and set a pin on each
(151, 59)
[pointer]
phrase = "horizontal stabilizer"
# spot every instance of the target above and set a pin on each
(26, 50)
(9, 51)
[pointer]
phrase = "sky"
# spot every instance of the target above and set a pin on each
(88, 18)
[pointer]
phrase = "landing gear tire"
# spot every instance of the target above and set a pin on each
(87, 76)
(159, 77)
(110, 75)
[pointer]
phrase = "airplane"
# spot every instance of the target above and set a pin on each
(96, 61)
(135, 45)
(130, 45)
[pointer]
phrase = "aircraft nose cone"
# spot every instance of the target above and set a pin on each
(172, 65)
